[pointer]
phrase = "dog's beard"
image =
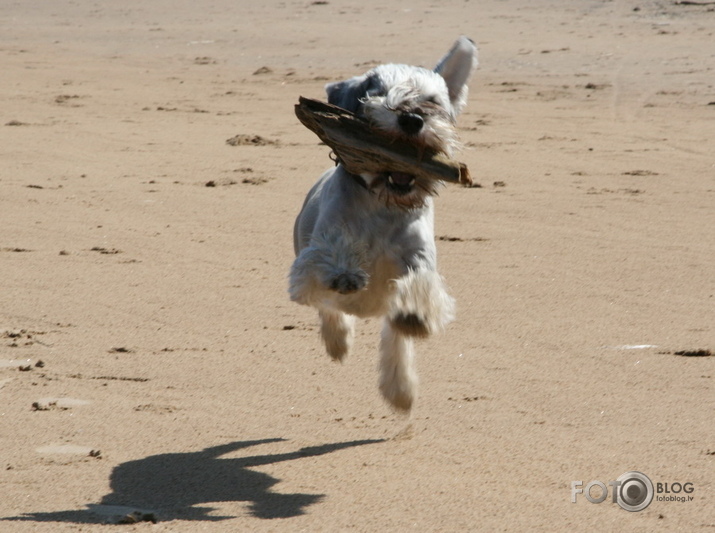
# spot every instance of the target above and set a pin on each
(402, 190)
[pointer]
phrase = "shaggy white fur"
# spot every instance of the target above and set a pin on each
(365, 244)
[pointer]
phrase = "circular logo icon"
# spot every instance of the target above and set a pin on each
(635, 491)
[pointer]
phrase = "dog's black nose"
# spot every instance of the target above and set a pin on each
(410, 123)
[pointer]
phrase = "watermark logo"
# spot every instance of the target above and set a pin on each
(633, 491)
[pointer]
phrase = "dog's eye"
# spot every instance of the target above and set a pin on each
(373, 87)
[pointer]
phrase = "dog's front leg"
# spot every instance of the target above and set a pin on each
(331, 262)
(420, 305)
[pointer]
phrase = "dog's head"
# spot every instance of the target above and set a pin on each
(414, 103)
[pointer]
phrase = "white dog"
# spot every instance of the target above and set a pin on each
(365, 244)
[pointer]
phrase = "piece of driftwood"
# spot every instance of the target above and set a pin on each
(362, 148)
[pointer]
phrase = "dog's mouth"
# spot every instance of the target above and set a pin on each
(400, 182)
(402, 189)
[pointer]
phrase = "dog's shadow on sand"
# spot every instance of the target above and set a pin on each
(173, 486)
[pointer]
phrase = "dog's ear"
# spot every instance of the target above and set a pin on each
(347, 94)
(456, 67)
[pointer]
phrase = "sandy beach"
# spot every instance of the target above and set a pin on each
(153, 369)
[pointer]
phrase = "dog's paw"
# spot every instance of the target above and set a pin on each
(410, 324)
(349, 282)
(401, 400)
(398, 380)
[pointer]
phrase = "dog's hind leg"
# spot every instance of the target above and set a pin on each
(398, 377)
(337, 330)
